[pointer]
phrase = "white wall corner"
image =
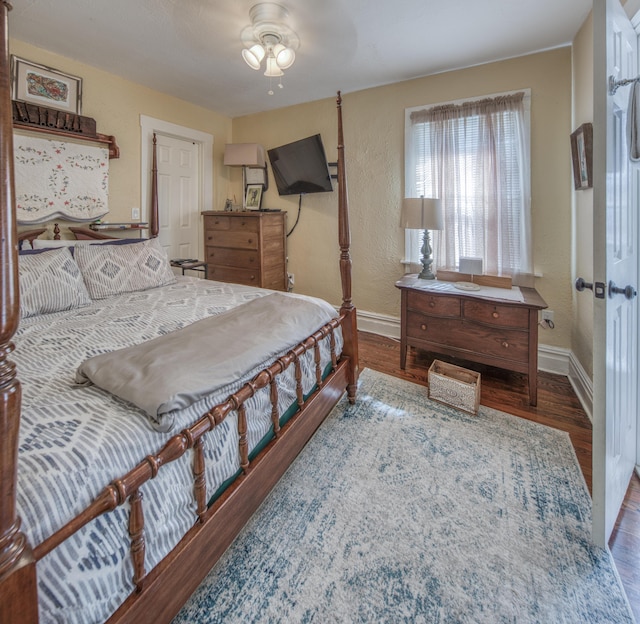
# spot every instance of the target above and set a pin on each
(564, 362)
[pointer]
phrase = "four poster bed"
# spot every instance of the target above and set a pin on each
(111, 509)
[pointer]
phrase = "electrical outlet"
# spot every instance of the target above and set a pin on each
(547, 315)
(135, 214)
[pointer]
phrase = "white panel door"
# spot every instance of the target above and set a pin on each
(616, 268)
(178, 196)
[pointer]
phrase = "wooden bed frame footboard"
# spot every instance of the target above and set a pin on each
(163, 590)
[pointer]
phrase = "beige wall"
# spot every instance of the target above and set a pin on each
(116, 105)
(374, 142)
(582, 336)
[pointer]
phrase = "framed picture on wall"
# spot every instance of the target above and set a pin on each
(582, 156)
(254, 196)
(38, 84)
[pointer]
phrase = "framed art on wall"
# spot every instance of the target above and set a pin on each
(254, 196)
(582, 156)
(38, 84)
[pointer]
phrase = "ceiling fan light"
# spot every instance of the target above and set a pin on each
(285, 57)
(253, 56)
(272, 70)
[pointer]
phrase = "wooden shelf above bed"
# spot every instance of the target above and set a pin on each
(43, 119)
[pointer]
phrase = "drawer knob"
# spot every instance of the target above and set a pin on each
(432, 304)
(495, 314)
(505, 344)
(250, 240)
(423, 327)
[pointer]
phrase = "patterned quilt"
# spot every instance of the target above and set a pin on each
(74, 440)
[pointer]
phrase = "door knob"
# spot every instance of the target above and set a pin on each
(628, 291)
(581, 285)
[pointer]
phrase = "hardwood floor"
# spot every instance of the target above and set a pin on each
(557, 407)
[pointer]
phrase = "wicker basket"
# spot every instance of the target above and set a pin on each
(455, 386)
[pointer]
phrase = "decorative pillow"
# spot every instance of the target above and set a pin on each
(50, 282)
(113, 269)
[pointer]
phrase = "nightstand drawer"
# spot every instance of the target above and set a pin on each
(495, 314)
(433, 304)
(237, 276)
(240, 258)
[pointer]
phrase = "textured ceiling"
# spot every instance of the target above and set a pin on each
(191, 48)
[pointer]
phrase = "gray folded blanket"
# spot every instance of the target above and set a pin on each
(174, 371)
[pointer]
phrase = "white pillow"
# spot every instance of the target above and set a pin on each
(113, 269)
(50, 282)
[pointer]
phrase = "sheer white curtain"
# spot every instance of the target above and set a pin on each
(474, 155)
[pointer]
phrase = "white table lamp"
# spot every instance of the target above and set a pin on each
(423, 213)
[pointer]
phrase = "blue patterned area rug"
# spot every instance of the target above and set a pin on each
(403, 510)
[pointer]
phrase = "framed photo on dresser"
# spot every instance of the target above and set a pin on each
(254, 196)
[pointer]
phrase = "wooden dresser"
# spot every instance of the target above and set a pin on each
(474, 326)
(246, 248)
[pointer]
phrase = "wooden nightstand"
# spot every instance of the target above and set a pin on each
(477, 326)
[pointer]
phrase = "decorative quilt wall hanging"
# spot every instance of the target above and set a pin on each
(56, 179)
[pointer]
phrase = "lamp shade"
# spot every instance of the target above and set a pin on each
(244, 154)
(422, 213)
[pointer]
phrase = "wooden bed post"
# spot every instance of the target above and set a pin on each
(350, 327)
(154, 222)
(18, 593)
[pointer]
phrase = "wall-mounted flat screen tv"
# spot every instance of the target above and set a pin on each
(301, 167)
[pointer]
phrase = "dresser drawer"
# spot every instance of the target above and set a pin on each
(433, 304)
(239, 258)
(232, 239)
(496, 314)
(237, 276)
(234, 224)
(433, 329)
(507, 344)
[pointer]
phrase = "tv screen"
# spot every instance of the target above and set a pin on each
(301, 167)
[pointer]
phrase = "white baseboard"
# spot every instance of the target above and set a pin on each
(582, 385)
(380, 324)
(550, 359)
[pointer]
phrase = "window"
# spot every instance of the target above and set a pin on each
(474, 155)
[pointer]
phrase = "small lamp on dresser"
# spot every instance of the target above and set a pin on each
(249, 156)
(423, 213)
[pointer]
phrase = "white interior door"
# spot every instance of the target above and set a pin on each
(150, 126)
(178, 196)
(616, 185)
